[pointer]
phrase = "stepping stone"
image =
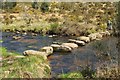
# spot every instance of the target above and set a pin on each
(80, 43)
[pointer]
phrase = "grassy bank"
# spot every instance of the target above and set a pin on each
(105, 73)
(85, 73)
(60, 18)
(69, 28)
(18, 66)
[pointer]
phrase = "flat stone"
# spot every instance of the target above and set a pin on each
(36, 53)
(47, 49)
(55, 45)
(83, 38)
(71, 45)
(61, 48)
(65, 48)
(16, 37)
(81, 43)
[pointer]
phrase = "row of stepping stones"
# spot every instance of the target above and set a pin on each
(68, 46)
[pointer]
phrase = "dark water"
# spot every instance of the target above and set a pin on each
(90, 55)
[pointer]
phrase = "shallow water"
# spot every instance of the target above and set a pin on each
(91, 54)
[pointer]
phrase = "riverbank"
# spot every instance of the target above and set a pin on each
(65, 28)
(19, 66)
(81, 19)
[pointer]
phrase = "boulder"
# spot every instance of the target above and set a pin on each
(71, 45)
(83, 38)
(47, 49)
(61, 48)
(37, 53)
(81, 43)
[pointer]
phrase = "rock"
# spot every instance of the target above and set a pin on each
(98, 36)
(55, 46)
(83, 38)
(71, 45)
(81, 43)
(106, 33)
(24, 34)
(37, 53)
(95, 36)
(92, 37)
(16, 37)
(47, 49)
(34, 34)
(61, 48)
(17, 32)
(65, 48)
(50, 36)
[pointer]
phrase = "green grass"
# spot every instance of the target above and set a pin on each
(71, 75)
(23, 67)
(42, 27)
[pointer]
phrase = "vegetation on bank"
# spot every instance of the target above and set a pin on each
(57, 18)
(19, 66)
(72, 75)
(85, 73)
(100, 73)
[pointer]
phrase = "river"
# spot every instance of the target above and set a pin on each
(92, 54)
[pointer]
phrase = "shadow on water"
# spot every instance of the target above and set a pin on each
(93, 54)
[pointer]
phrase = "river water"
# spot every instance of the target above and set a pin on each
(92, 54)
